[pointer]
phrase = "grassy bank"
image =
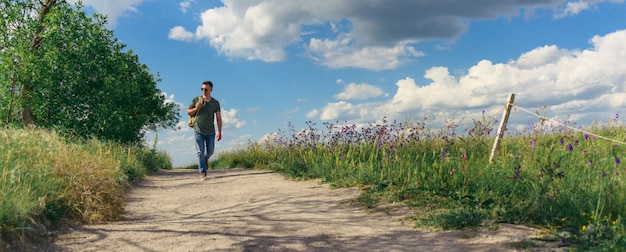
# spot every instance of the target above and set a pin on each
(46, 178)
(553, 177)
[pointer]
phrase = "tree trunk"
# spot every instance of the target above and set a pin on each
(35, 43)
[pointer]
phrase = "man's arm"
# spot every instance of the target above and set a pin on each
(218, 117)
(194, 110)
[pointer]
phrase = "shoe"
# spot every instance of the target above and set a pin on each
(203, 176)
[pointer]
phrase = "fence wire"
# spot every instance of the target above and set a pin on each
(567, 126)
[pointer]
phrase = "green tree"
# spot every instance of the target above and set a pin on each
(78, 79)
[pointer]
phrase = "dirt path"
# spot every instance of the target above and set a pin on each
(251, 210)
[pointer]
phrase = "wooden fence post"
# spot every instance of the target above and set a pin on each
(505, 117)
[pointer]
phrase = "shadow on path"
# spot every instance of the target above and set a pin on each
(252, 210)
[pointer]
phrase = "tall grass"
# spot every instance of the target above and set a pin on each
(548, 176)
(46, 178)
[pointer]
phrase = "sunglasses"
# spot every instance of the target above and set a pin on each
(204, 89)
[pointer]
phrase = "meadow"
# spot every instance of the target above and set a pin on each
(546, 175)
(47, 180)
(561, 178)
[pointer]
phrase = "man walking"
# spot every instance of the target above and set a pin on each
(207, 110)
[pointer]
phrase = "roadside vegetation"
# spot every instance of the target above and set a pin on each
(568, 183)
(75, 105)
(47, 180)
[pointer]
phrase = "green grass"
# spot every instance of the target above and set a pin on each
(555, 178)
(46, 178)
(570, 183)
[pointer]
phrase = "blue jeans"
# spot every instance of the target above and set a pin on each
(205, 146)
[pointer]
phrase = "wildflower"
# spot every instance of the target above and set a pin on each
(570, 147)
(451, 172)
(590, 162)
(562, 141)
(617, 161)
(586, 136)
(518, 172)
(532, 145)
(603, 174)
(584, 228)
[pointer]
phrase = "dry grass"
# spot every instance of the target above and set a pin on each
(47, 179)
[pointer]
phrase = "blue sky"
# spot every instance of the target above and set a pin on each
(275, 62)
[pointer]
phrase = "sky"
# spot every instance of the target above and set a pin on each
(276, 63)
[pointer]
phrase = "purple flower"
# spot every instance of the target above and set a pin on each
(586, 136)
(570, 147)
(590, 162)
(562, 141)
(518, 172)
(617, 161)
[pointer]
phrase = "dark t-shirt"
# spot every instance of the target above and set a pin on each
(205, 118)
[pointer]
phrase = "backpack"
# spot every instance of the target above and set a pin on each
(192, 119)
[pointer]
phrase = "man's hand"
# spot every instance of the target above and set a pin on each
(218, 136)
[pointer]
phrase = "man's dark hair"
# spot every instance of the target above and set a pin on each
(208, 83)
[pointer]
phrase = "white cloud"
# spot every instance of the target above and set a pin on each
(359, 92)
(169, 98)
(573, 8)
(230, 119)
(113, 9)
(347, 111)
(351, 34)
(313, 113)
(342, 54)
(254, 32)
(567, 81)
(184, 5)
(377, 36)
(179, 33)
